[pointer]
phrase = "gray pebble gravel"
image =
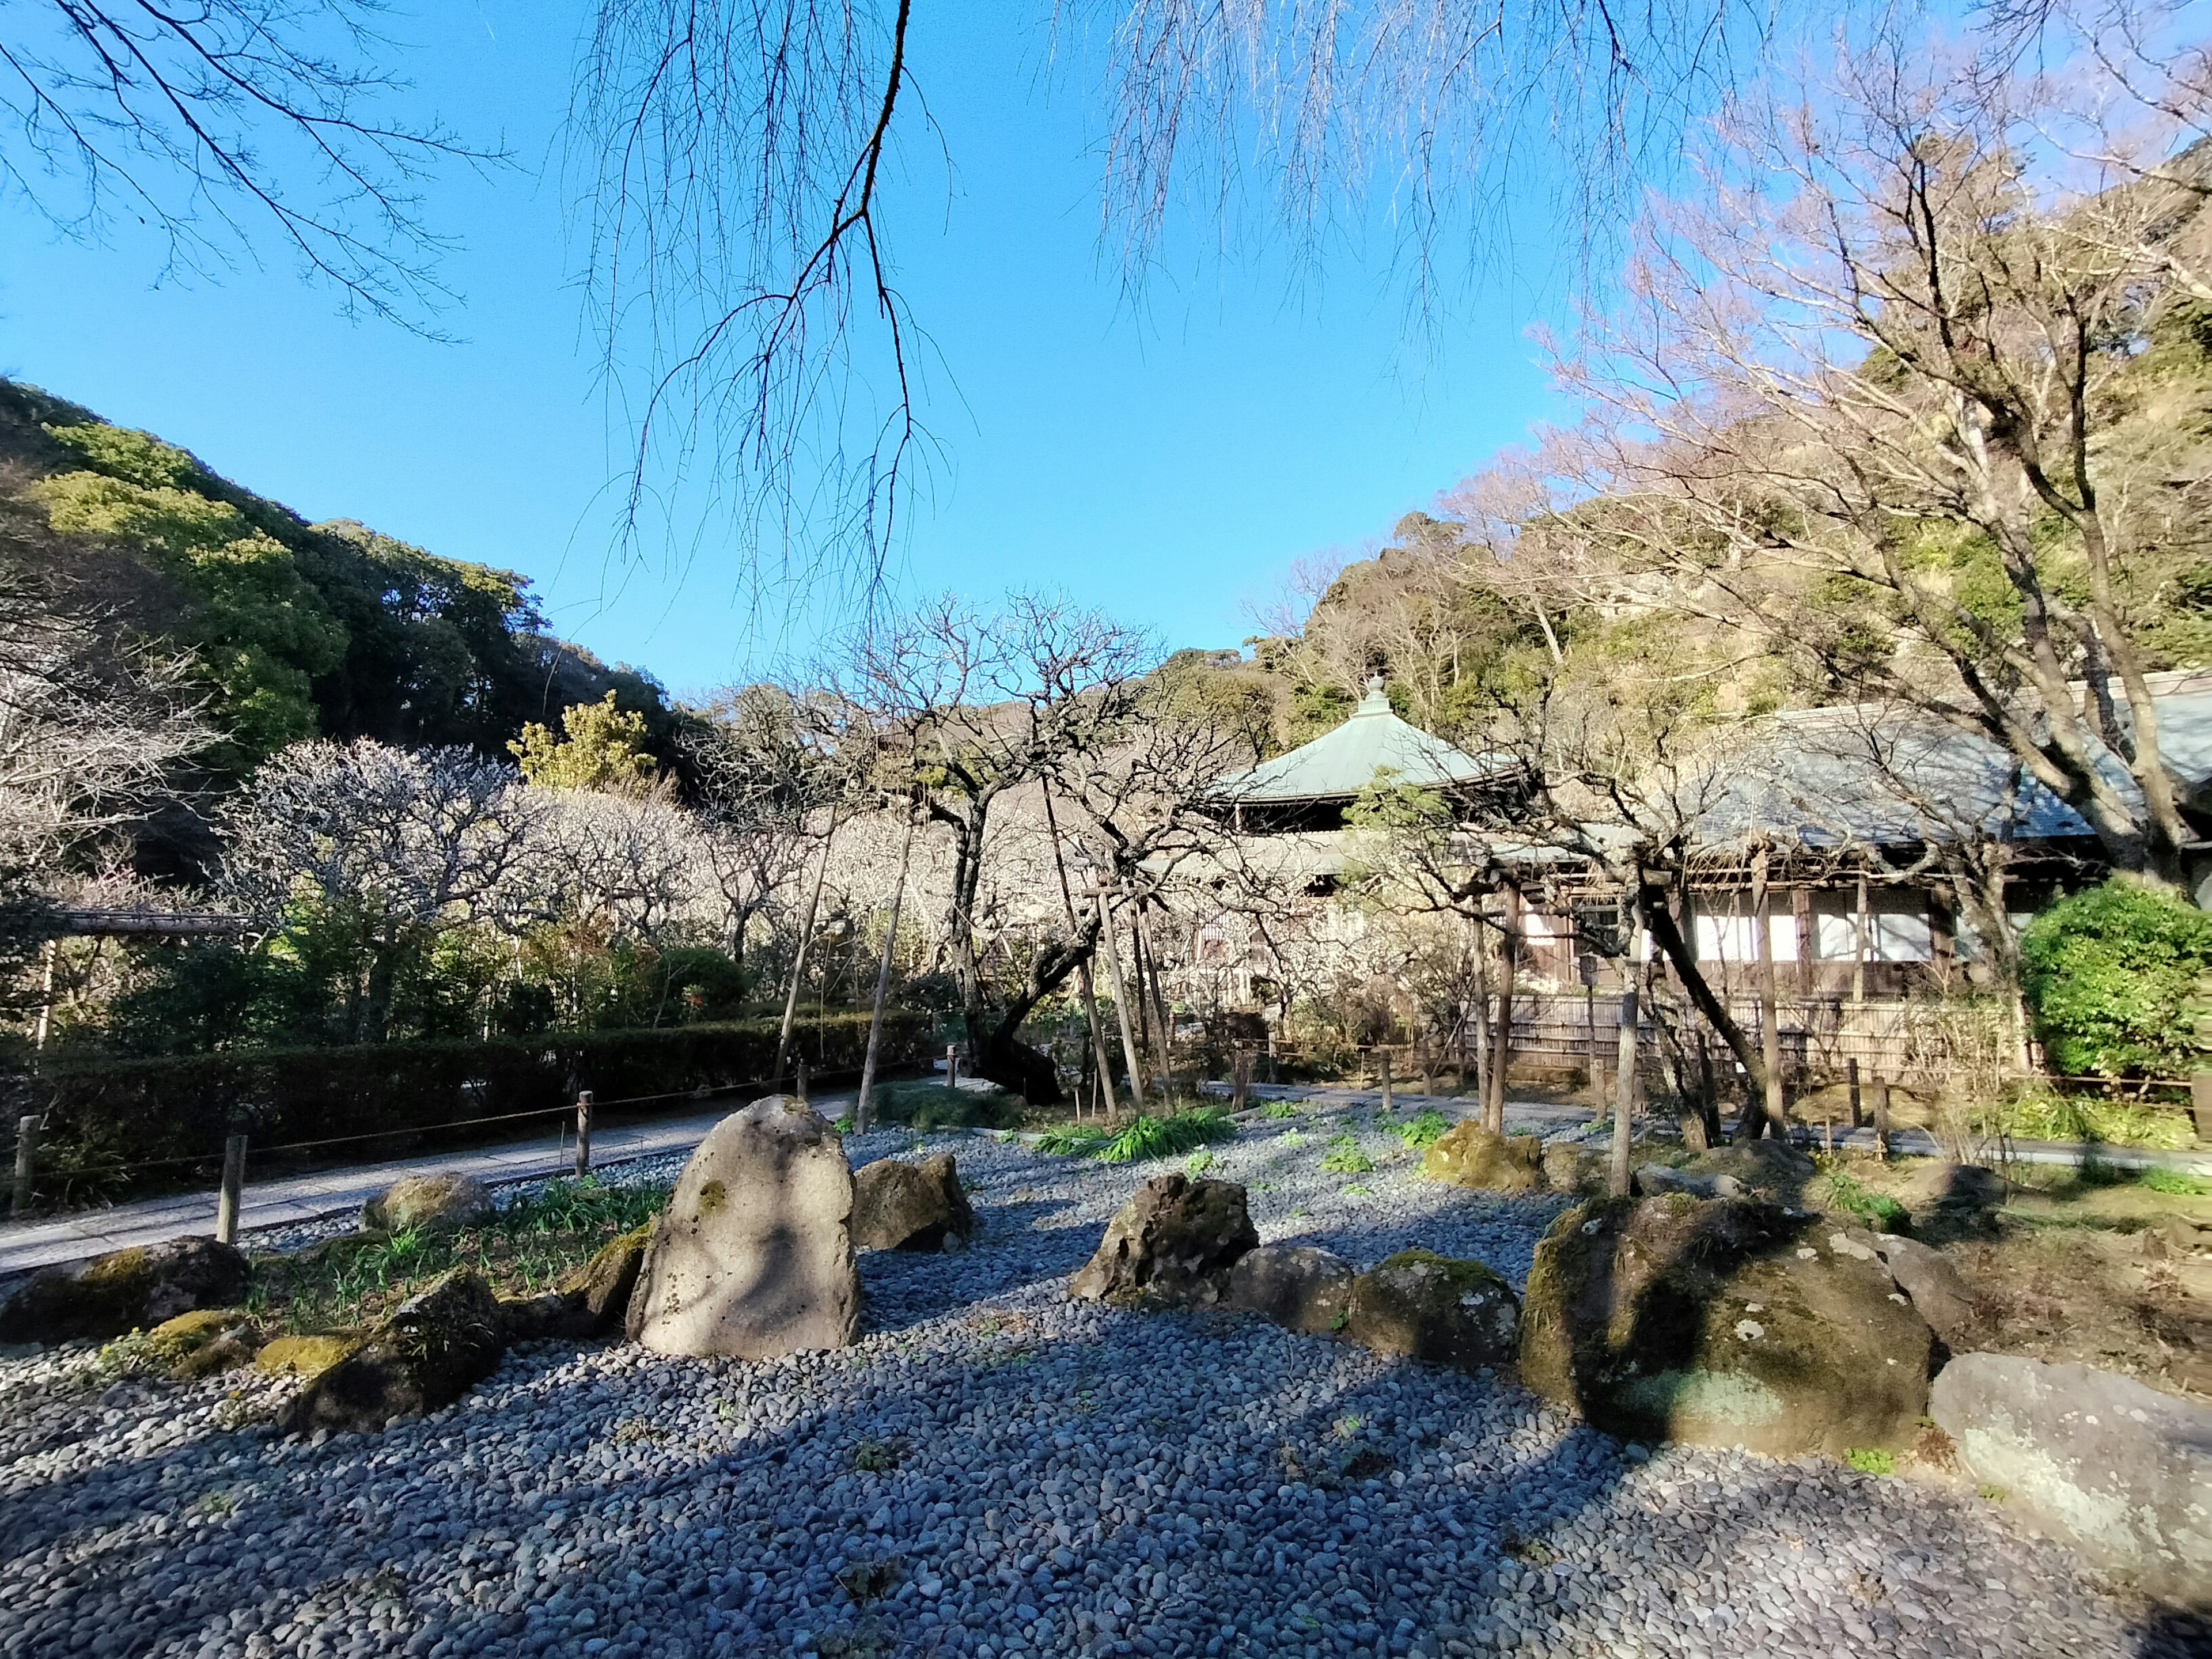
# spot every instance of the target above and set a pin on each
(993, 1471)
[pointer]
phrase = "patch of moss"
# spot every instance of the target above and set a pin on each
(305, 1356)
(1464, 1275)
(712, 1197)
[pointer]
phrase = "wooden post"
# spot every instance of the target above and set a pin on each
(951, 1065)
(1385, 1052)
(27, 1163)
(1428, 1063)
(1800, 921)
(1859, 943)
(1241, 1079)
(1881, 1091)
(583, 1133)
(1852, 1068)
(2200, 1098)
(1624, 1093)
(1769, 1023)
(799, 1080)
(233, 1188)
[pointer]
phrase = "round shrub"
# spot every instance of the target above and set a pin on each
(2112, 975)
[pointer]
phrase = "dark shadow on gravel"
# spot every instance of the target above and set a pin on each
(905, 1288)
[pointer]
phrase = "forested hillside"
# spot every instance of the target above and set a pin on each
(289, 629)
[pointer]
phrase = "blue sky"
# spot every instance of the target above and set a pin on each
(1165, 462)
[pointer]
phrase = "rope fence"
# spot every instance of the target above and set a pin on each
(236, 1149)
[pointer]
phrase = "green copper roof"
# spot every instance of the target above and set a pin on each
(1344, 762)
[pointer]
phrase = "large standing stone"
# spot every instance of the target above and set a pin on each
(437, 1344)
(753, 1258)
(126, 1289)
(1428, 1307)
(910, 1206)
(1172, 1246)
(1298, 1286)
(1722, 1321)
(2120, 1471)
(1468, 1155)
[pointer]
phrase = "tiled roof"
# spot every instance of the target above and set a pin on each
(1340, 763)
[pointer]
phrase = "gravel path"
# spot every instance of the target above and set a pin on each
(995, 1471)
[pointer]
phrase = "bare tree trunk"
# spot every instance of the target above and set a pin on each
(864, 1112)
(1121, 1003)
(1669, 938)
(1501, 1047)
(798, 956)
(1623, 1085)
(1082, 973)
(1769, 1031)
(1156, 1010)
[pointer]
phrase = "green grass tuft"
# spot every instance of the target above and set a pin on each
(1424, 1131)
(1878, 1210)
(1147, 1138)
(1279, 1109)
(1198, 1163)
(1867, 1460)
(1344, 1158)
(2175, 1183)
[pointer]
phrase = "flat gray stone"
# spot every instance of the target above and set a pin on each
(2120, 1471)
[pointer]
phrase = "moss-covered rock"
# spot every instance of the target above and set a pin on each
(1468, 1155)
(1580, 1170)
(1442, 1309)
(305, 1356)
(602, 1286)
(1173, 1245)
(437, 1345)
(205, 1342)
(1722, 1321)
(126, 1289)
(446, 1203)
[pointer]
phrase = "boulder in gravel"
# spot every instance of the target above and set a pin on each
(1468, 1155)
(1300, 1287)
(1428, 1307)
(2121, 1472)
(443, 1203)
(123, 1290)
(910, 1206)
(437, 1345)
(753, 1257)
(1722, 1321)
(1173, 1245)
(1937, 1292)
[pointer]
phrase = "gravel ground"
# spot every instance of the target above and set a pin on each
(992, 1471)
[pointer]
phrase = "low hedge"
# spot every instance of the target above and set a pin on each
(115, 1126)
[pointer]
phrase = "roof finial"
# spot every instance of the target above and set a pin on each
(1376, 702)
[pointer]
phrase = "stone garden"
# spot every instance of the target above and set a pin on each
(893, 1393)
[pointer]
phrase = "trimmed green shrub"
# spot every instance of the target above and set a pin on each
(2111, 975)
